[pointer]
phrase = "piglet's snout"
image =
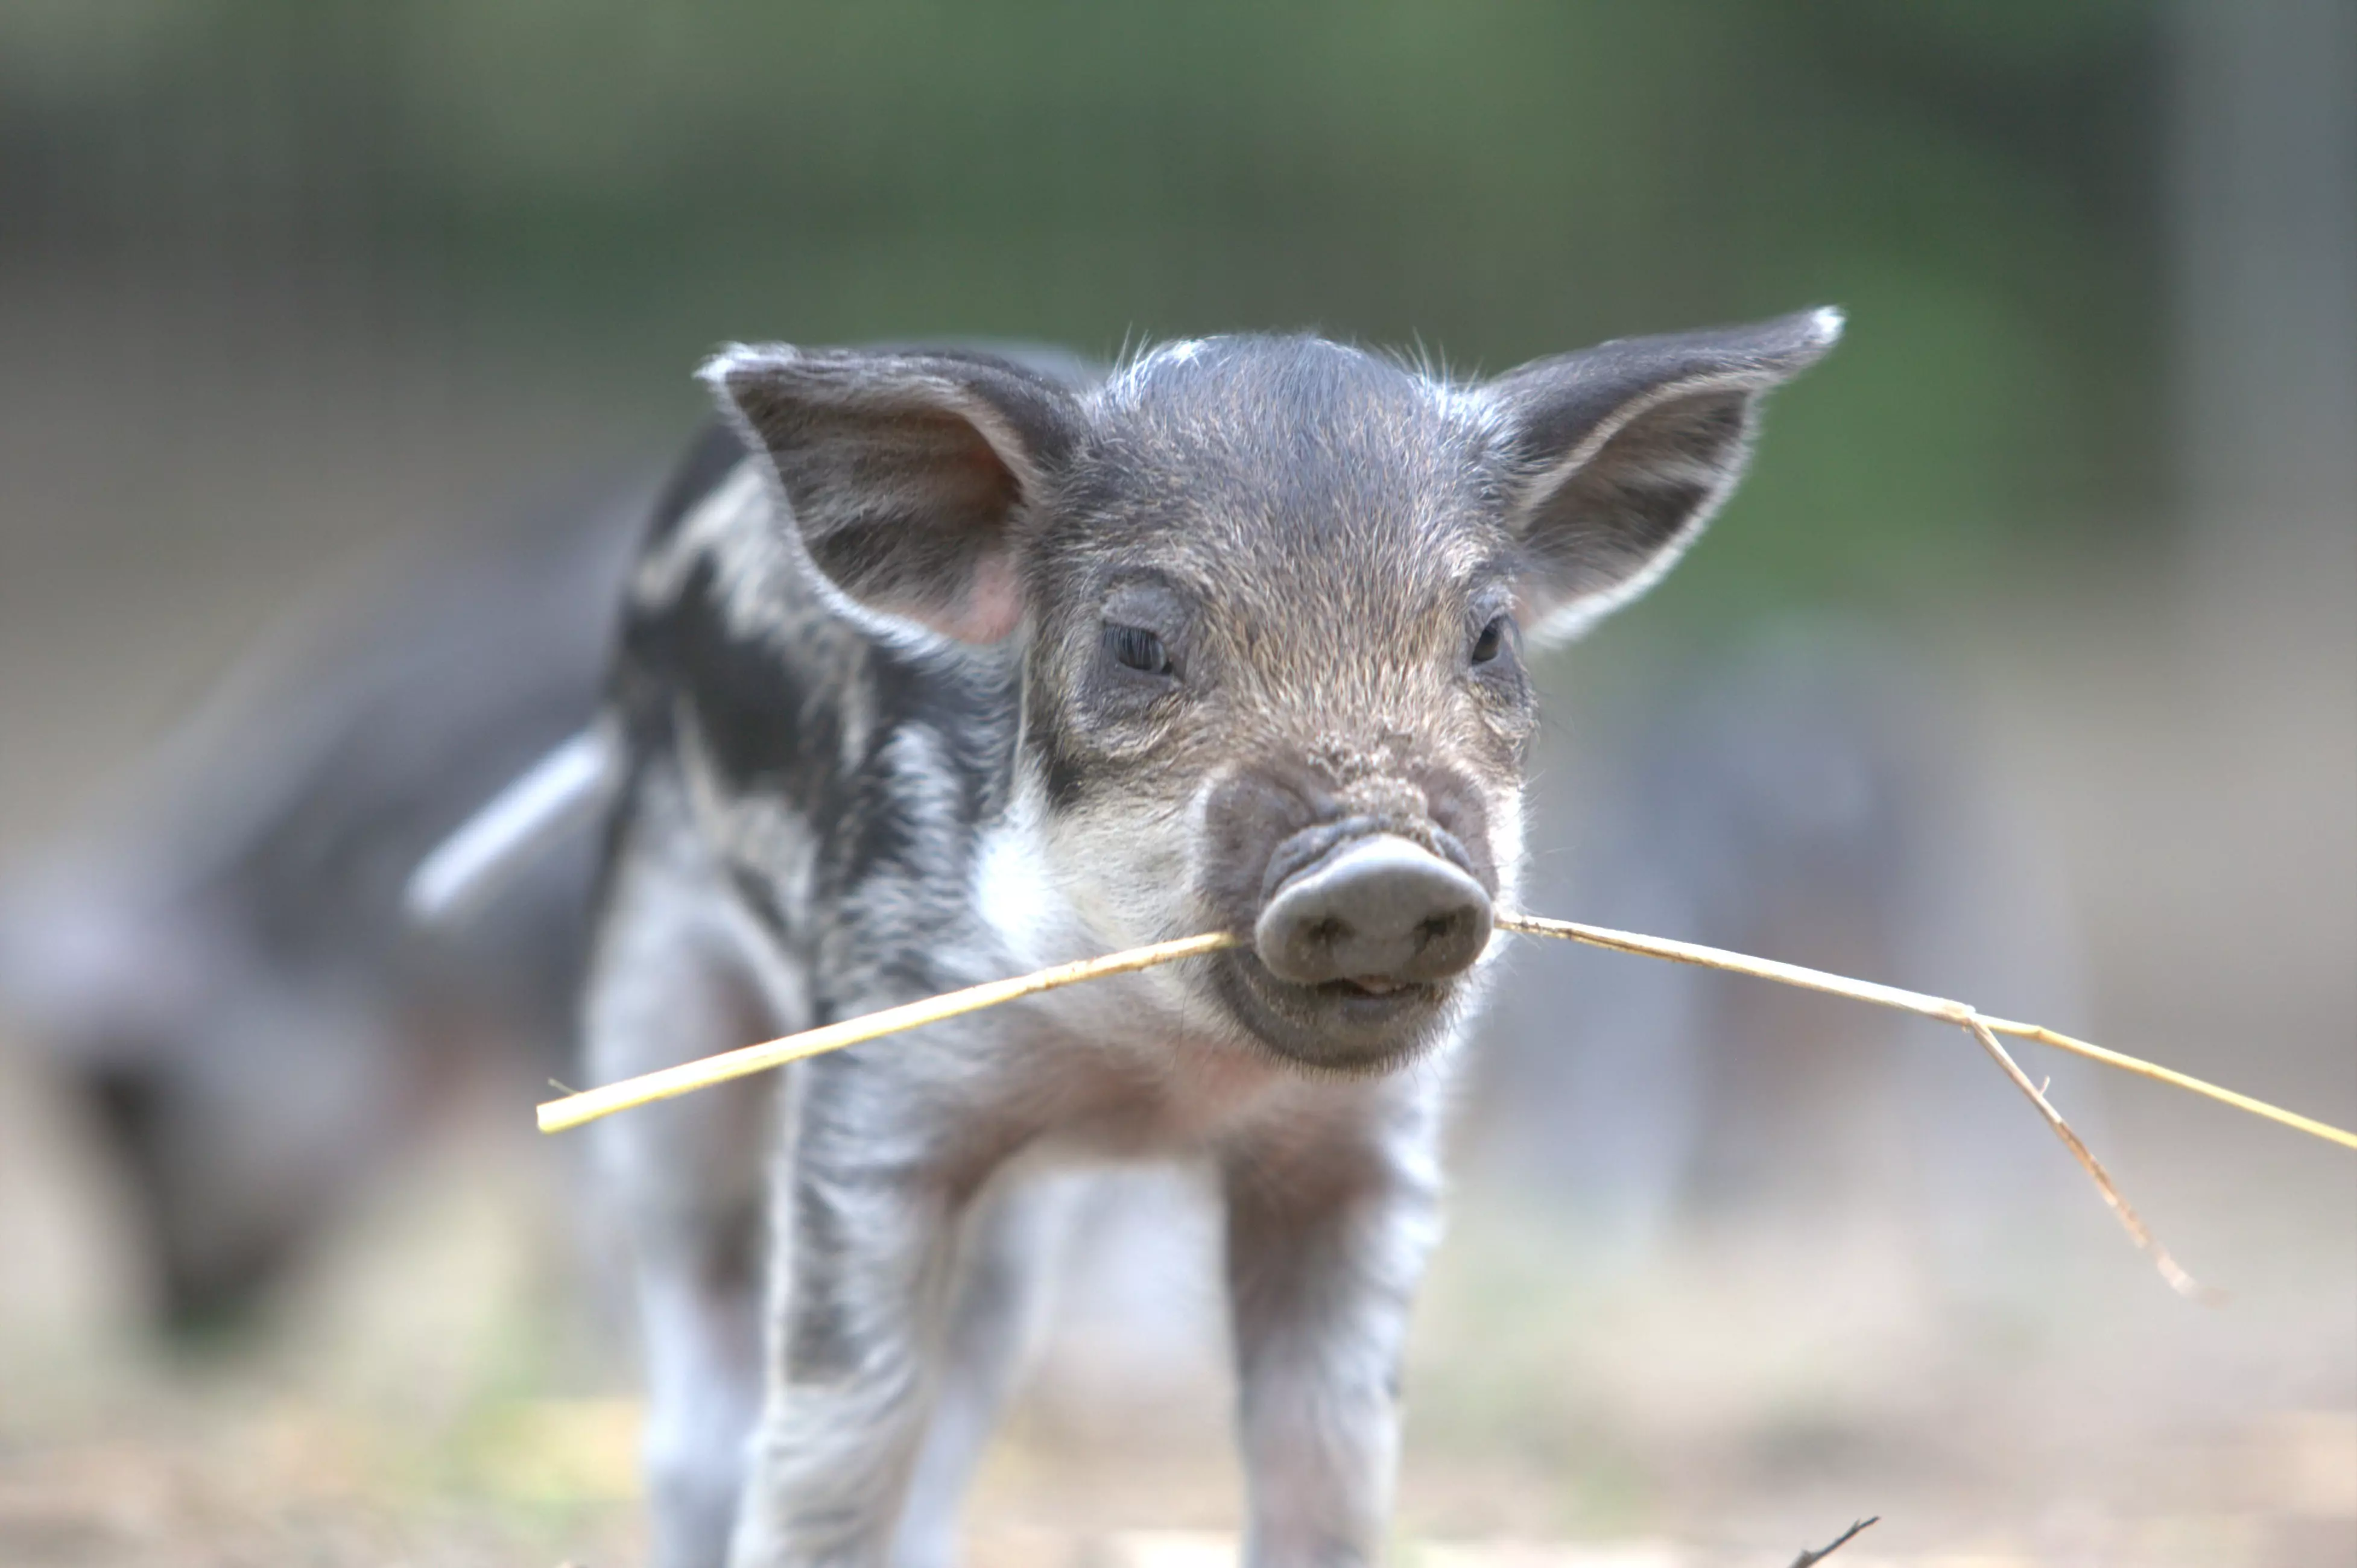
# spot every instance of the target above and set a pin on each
(1379, 910)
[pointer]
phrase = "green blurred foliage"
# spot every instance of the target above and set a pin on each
(611, 186)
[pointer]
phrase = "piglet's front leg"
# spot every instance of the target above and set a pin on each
(1327, 1229)
(865, 1244)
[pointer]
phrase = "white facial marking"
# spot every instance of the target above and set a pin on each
(1017, 891)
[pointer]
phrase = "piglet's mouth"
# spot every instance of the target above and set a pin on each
(1361, 931)
(1356, 1026)
(1369, 996)
(1367, 985)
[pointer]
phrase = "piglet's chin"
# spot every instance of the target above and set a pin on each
(1345, 1027)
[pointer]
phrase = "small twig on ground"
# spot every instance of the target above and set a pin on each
(1808, 1559)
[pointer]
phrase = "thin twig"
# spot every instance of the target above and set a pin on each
(558, 1115)
(574, 1110)
(1939, 1007)
(2159, 1074)
(1810, 1559)
(1703, 957)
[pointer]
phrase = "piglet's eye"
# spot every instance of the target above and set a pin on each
(1138, 649)
(1491, 642)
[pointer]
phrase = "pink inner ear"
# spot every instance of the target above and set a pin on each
(993, 603)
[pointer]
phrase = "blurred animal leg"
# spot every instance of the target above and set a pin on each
(1326, 1242)
(868, 1232)
(1004, 1291)
(689, 1175)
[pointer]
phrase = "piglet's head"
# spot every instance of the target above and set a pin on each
(1271, 598)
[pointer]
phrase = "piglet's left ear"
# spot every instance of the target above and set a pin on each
(1622, 452)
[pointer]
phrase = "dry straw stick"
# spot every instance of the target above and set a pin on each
(1938, 1007)
(558, 1115)
(574, 1110)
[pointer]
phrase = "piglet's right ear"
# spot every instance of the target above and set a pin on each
(1624, 451)
(905, 473)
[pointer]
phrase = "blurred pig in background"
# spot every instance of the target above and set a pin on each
(220, 963)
